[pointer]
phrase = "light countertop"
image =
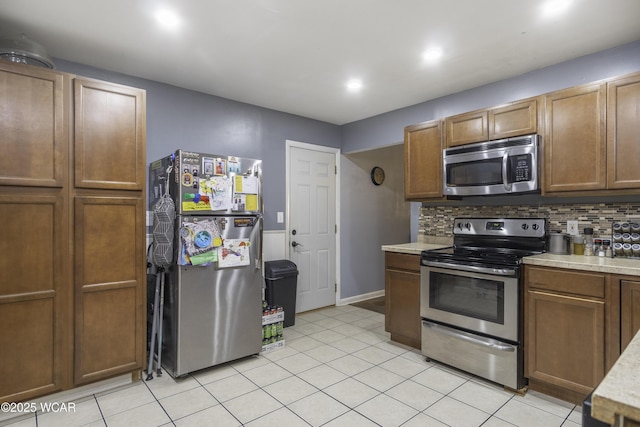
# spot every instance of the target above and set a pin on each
(624, 266)
(414, 248)
(619, 391)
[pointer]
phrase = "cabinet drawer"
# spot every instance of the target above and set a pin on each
(571, 282)
(402, 261)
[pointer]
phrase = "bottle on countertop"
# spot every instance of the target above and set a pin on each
(598, 248)
(588, 241)
(578, 245)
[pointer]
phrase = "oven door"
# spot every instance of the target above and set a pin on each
(473, 300)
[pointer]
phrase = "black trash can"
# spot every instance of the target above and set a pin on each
(281, 280)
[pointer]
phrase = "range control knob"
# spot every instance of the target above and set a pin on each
(467, 226)
(460, 225)
(535, 226)
(525, 226)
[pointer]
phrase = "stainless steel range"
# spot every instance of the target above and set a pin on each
(471, 297)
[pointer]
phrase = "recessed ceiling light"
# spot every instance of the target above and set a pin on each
(555, 7)
(432, 54)
(354, 85)
(167, 19)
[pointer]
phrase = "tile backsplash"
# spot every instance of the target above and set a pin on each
(437, 221)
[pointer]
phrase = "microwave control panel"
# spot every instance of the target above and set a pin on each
(520, 168)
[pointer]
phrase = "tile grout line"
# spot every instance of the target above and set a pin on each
(104, 420)
(158, 401)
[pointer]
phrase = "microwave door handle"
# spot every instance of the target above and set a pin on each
(505, 178)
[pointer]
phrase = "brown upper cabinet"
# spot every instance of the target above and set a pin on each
(423, 161)
(514, 119)
(590, 145)
(592, 138)
(33, 125)
(466, 128)
(623, 132)
(574, 140)
(109, 126)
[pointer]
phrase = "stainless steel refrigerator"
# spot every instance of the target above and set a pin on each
(213, 291)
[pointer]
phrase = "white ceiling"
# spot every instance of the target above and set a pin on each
(295, 56)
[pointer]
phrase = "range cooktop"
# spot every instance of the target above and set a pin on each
(492, 241)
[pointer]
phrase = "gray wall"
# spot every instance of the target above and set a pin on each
(180, 118)
(372, 216)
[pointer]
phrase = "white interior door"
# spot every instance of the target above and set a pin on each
(312, 224)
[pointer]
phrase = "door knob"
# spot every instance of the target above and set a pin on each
(294, 244)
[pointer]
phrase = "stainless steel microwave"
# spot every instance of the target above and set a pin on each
(504, 166)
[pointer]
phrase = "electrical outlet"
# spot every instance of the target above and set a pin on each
(572, 228)
(280, 217)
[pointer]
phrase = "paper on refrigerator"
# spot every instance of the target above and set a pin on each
(234, 253)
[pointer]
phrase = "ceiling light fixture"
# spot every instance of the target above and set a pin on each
(167, 19)
(23, 50)
(354, 85)
(555, 7)
(432, 54)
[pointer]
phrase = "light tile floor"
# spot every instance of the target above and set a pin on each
(338, 368)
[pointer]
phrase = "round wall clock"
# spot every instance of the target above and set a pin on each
(377, 175)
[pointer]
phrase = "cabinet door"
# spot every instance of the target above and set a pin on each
(110, 286)
(517, 119)
(423, 161)
(629, 311)
(35, 296)
(467, 128)
(402, 300)
(623, 132)
(574, 143)
(109, 135)
(33, 126)
(565, 341)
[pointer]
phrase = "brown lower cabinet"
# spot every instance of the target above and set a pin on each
(629, 309)
(402, 298)
(576, 325)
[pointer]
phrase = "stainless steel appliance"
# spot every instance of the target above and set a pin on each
(496, 167)
(471, 297)
(213, 294)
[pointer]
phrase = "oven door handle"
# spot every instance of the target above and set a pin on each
(475, 339)
(472, 268)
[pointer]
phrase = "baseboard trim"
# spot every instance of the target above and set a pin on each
(362, 297)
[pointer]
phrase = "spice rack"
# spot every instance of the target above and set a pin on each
(625, 238)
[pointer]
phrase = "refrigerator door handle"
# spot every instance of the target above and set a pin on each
(258, 257)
